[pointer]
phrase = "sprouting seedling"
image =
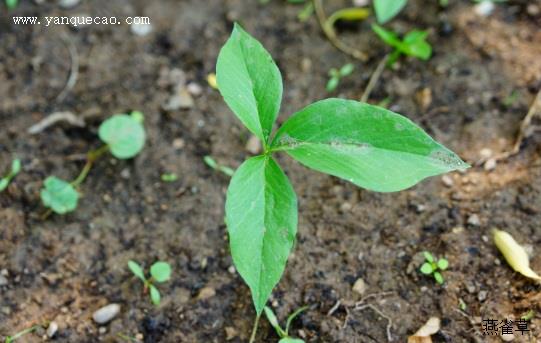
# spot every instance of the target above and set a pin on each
(284, 334)
(10, 339)
(337, 74)
(413, 44)
(169, 177)
(159, 272)
(11, 4)
(15, 169)
(388, 9)
(366, 145)
(124, 137)
(434, 267)
(209, 161)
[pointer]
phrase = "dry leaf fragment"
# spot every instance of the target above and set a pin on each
(514, 254)
(423, 334)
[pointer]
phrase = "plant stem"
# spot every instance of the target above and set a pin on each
(374, 78)
(91, 157)
(254, 330)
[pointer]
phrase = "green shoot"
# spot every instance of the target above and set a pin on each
(284, 334)
(169, 177)
(337, 74)
(124, 136)
(159, 272)
(414, 44)
(214, 165)
(366, 145)
(434, 267)
(10, 339)
(15, 169)
(388, 9)
(11, 4)
(528, 315)
(462, 305)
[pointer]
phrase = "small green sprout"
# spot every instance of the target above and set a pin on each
(433, 266)
(159, 272)
(10, 339)
(388, 9)
(462, 305)
(11, 4)
(214, 165)
(284, 334)
(528, 315)
(59, 195)
(413, 44)
(337, 74)
(169, 177)
(15, 169)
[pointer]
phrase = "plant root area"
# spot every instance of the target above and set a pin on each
(471, 95)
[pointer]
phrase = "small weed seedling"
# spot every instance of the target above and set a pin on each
(209, 161)
(15, 169)
(284, 334)
(169, 177)
(159, 272)
(337, 74)
(414, 44)
(10, 339)
(388, 9)
(366, 145)
(124, 137)
(434, 267)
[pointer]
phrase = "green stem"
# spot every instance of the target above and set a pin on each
(254, 330)
(91, 157)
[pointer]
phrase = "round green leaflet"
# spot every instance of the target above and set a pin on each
(59, 195)
(124, 134)
(160, 271)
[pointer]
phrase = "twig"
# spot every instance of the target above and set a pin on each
(74, 70)
(53, 118)
(381, 314)
(524, 125)
(374, 78)
(331, 35)
(334, 308)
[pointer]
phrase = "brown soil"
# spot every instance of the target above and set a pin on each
(65, 267)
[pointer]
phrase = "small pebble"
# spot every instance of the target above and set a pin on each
(106, 313)
(470, 288)
(484, 8)
(102, 330)
(68, 3)
(231, 270)
(3, 280)
(360, 286)
(178, 143)
(206, 293)
(485, 153)
(141, 29)
(253, 145)
(194, 89)
(346, 207)
(482, 295)
(447, 181)
(52, 329)
(230, 333)
(490, 164)
(474, 220)
(507, 337)
(125, 174)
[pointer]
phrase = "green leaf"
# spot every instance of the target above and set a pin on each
(332, 84)
(428, 256)
(438, 277)
(154, 295)
(388, 9)
(11, 4)
(367, 145)
(124, 135)
(443, 264)
(261, 217)
(273, 321)
(160, 271)
(290, 340)
(293, 316)
(169, 177)
(249, 82)
(136, 270)
(415, 45)
(388, 37)
(426, 268)
(15, 167)
(4, 182)
(59, 195)
(347, 69)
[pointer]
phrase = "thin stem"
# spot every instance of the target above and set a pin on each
(374, 78)
(254, 330)
(91, 157)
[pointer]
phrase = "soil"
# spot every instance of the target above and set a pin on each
(471, 95)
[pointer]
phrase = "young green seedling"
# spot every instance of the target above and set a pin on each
(124, 137)
(15, 169)
(337, 74)
(10, 339)
(159, 272)
(366, 145)
(209, 161)
(11, 4)
(169, 177)
(414, 44)
(284, 334)
(434, 267)
(388, 9)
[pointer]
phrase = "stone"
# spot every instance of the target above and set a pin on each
(106, 313)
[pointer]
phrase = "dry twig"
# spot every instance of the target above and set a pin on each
(74, 70)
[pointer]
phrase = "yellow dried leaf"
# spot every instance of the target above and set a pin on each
(514, 254)
(348, 14)
(423, 334)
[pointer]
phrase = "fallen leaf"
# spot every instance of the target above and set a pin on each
(423, 334)
(514, 254)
